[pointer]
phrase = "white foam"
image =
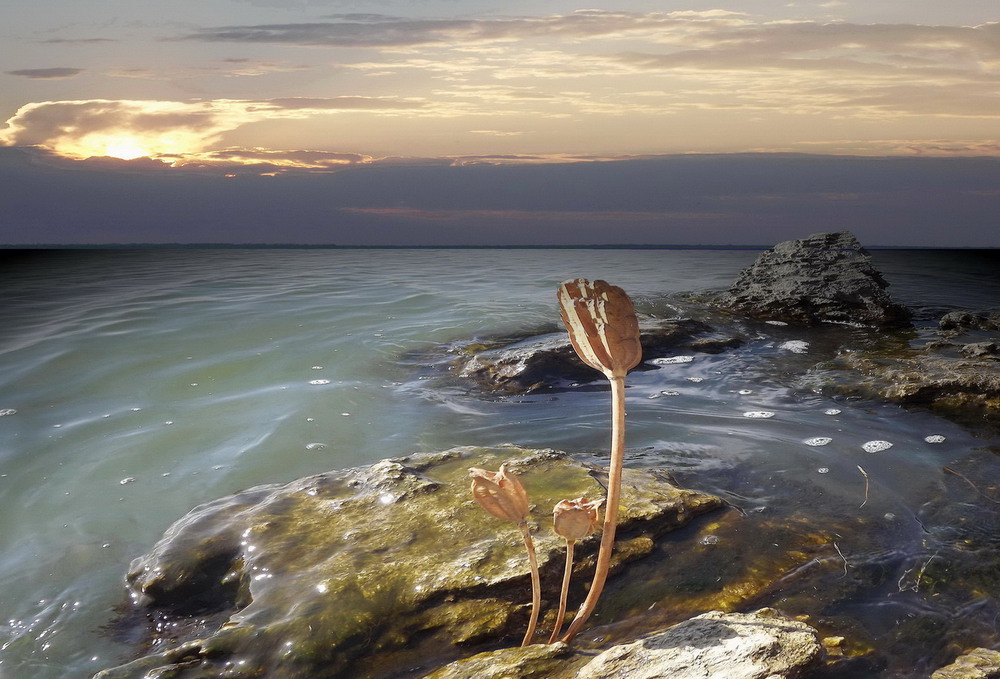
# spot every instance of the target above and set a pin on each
(818, 441)
(876, 446)
(672, 360)
(758, 414)
(795, 346)
(934, 438)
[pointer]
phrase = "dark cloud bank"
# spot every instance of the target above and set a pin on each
(715, 200)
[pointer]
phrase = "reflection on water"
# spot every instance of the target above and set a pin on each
(137, 385)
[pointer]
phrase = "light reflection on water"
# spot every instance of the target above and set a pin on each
(190, 375)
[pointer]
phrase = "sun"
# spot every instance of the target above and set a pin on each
(125, 148)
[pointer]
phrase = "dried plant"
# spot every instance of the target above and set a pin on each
(502, 495)
(572, 520)
(604, 331)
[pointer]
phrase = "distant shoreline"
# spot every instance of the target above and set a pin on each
(296, 246)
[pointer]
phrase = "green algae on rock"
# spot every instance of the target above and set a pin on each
(367, 571)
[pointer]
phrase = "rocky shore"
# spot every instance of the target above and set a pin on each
(392, 571)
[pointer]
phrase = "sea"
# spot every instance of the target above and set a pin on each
(136, 384)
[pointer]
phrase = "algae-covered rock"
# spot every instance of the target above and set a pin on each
(981, 663)
(761, 645)
(538, 661)
(363, 572)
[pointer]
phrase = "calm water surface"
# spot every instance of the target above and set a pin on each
(135, 385)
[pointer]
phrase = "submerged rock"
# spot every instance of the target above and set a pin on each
(945, 373)
(981, 663)
(826, 277)
(368, 571)
(761, 645)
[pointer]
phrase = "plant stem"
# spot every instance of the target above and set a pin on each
(610, 508)
(536, 585)
(564, 594)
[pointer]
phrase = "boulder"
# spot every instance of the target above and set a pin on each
(981, 663)
(368, 571)
(760, 645)
(826, 277)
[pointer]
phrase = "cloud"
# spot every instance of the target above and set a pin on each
(339, 104)
(373, 30)
(99, 126)
(57, 73)
(133, 128)
(229, 68)
(76, 41)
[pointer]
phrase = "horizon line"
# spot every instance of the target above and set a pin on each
(333, 246)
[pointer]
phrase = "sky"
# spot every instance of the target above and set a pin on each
(391, 121)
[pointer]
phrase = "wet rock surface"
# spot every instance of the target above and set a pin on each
(369, 572)
(956, 371)
(546, 362)
(826, 277)
(981, 663)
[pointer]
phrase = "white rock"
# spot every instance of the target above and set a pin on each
(761, 645)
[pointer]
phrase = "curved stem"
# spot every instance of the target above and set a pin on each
(564, 594)
(611, 507)
(536, 585)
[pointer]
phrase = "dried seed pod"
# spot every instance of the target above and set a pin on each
(576, 519)
(500, 494)
(602, 325)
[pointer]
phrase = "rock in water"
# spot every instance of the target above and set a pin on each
(761, 645)
(827, 277)
(366, 572)
(981, 663)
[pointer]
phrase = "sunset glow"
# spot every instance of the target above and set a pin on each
(126, 148)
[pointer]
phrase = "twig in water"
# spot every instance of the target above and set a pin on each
(865, 474)
(974, 487)
(837, 547)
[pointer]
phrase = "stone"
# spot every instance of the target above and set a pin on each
(980, 349)
(548, 361)
(368, 571)
(960, 379)
(960, 321)
(826, 277)
(760, 645)
(980, 663)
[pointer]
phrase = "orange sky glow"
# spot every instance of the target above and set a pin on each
(241, 82)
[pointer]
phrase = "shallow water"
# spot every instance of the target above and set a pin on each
(137, 384)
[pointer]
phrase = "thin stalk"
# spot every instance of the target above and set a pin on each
(564, 595)
(610, 510)
(536, 585)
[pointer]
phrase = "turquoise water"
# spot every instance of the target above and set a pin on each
(136, 385)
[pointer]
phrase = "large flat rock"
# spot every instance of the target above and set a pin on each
(368, 571)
